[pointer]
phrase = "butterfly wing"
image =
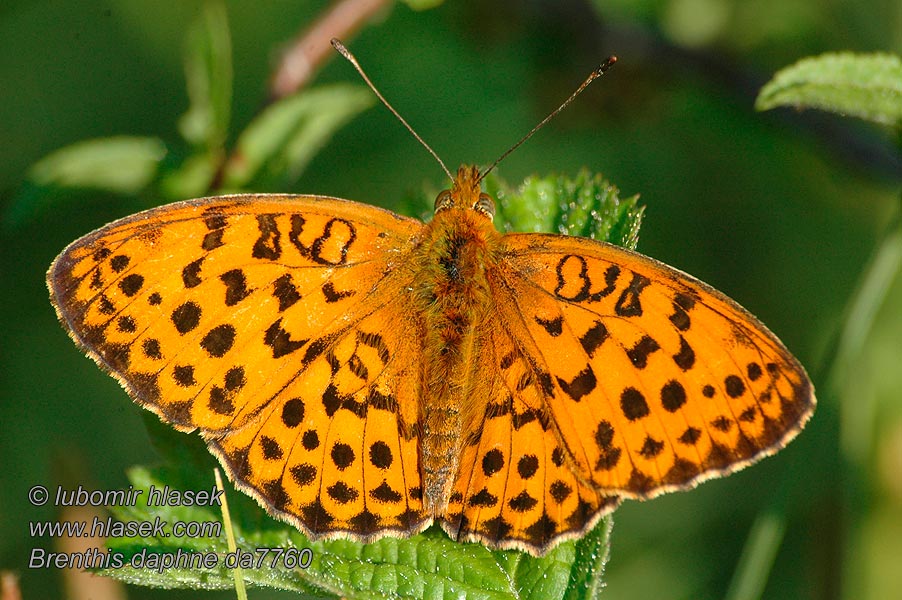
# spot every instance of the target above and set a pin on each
(261, 322)
(515, 488)
(655, 381)
(611, 375)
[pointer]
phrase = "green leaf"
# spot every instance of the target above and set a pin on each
(586, 206)
(120, 165)
(208, 72)
(868, 86)
(592, 554)
(276, 147)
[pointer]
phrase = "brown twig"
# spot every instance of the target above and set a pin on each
(312, 47)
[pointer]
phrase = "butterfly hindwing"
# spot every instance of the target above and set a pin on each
(333, 450)
(515, 488)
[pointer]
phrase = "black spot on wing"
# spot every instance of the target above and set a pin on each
(633, 404)
(271, 448)
(186, 317)
(554, 327)
(583, 383)
(381, 455)
(593, 338)
(685, 358)
(628, 304)
(131, 284)
(734, 386)
(341, 492)
(682, 304)
(236, 286)
(191, 273)
(219, 340)
(332, 295)
(293, 412)
(151, 348)
(184, 375)
(212, 240)
(641, 350)
(651, 447)
(267, 245)
(342, 455)
(119, 263)
(610, 454)
(279, 340)
(754, 371)
(673, 396)
(492, 462)
(285, 292)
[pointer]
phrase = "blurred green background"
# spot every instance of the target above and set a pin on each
(783, 211)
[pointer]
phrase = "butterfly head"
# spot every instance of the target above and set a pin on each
(466, 193)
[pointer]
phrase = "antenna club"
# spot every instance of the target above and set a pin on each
(336, 43)
(604, 67)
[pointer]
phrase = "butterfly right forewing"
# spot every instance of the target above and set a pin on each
(656, 381)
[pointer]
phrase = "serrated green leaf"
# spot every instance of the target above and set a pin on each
(586, 206)
(120, 165)
(208, 73)
(276, 147)
(868, 86)
(592, 553)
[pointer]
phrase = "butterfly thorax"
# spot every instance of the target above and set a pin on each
(455, 255)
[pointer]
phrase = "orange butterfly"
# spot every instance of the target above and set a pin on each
(363, 374)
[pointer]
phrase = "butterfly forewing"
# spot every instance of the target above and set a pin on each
(653, 380)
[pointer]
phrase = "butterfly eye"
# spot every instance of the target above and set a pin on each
(485, 205)
(443, 200)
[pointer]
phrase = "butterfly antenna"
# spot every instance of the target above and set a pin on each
(592, 77)
(336, 43)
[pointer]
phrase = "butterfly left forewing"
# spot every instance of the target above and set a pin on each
(654, 381)
(158, 298)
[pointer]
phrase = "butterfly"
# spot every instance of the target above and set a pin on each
(363, 374)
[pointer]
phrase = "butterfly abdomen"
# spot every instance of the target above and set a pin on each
(455, 297)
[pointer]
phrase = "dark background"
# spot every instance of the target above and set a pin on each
(782, 211)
